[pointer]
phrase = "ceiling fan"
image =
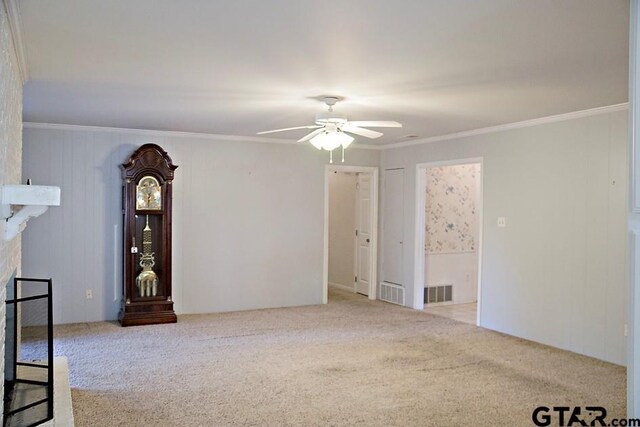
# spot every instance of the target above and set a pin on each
(333, 130)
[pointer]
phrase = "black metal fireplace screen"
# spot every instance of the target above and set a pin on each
(28, 392)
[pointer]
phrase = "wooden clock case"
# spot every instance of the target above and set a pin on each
(141, 305)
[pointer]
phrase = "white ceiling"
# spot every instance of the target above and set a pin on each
(238, 67)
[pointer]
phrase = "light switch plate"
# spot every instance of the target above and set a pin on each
(502, 221)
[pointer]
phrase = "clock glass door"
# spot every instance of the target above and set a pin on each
(149, 274)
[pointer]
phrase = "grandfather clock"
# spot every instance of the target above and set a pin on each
(146, 207)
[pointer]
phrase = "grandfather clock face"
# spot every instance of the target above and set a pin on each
(148, 194)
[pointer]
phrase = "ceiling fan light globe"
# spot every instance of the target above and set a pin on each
(316, 141)
(331, 145)
(328, 140)
(345, 144)
(345, 140)
(331, 140)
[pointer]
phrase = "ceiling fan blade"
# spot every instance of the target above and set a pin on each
(376, 124)
(361, 131)
(286, 129)
(311, 135)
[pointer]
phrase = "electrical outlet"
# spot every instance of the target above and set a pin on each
(89, 294)
(502, 221)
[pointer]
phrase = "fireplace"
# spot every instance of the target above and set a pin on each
(28, 381)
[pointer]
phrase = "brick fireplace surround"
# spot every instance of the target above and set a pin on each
(10, 160)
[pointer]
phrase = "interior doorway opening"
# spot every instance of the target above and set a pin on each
(449, 234)
(350, 250)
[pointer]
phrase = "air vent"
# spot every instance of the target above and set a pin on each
(390, 292)
(436, 294)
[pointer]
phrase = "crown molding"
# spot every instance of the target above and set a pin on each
(153, 133)
(15, 24)
(172, 134)
(228, 138)
(515, 125)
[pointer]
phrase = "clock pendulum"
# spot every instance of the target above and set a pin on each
(147, 280)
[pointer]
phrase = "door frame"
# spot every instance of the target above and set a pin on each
(373, 261)
(420, 232)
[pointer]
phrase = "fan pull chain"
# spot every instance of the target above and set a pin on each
(331, 156)
(343, 154)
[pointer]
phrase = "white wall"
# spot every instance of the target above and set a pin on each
(556, 273)
(342, 225)
(247, 225)
(391, 220)
(10, 164)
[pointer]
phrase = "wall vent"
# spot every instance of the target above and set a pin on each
(390, 292)
(436, 294)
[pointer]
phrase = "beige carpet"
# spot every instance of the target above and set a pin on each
(351, 362)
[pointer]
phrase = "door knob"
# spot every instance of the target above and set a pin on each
(367, 240)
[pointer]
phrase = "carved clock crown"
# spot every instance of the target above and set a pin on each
(149, 157)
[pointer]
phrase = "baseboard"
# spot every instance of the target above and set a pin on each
(342, 287)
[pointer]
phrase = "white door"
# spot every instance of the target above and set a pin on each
(363, 233)
(393, 226)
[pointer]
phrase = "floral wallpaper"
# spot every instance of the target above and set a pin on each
(451, 214)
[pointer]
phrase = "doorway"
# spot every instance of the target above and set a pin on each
(448, 254)
(350, 230)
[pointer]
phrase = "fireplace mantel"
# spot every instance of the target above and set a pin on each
(34, 201)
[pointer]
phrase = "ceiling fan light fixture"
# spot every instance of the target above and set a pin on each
(331, 140)
(333, 129)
